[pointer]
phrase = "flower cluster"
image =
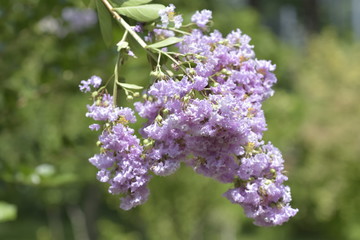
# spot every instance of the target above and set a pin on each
(120, 161)
(168, 15)
(207, 114)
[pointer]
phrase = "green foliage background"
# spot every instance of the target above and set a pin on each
(48, 189)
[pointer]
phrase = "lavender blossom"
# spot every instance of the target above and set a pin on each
(94, 82)
(209, 117)
(120, 161)
(201, 18)
(167, 15)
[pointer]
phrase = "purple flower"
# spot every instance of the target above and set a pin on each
(201, 18)
(208, 117)
(138, 27)
(199, 83)
(94, 127)
(166, 15)
(178, 21)
(85, 86)
(94, 81)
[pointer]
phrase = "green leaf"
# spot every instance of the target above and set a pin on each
(130, 86)
(105, 22)
(87, 3)
(166, 42)
(128, 3)
(142, 13)
(7, 211)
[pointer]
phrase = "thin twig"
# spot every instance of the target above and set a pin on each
(124, 24)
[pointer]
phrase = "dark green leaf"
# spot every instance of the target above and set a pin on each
(164, 43)
(86, 2)
(130, 86)
(142, 13)
(105, 22)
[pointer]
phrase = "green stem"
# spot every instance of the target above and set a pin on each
(176, 30)
(124, 24)
(124, 36)
(173, 60)
(116, 80)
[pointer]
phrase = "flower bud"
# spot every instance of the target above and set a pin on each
(158, 118)
(187, 98)
(136, 94)
(165, 111)
(192, 71)
(162, 75)
(154, 74)
(94, 94)
(267, 182)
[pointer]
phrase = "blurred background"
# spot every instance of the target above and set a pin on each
(48, 190)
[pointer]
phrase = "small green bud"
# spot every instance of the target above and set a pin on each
(169, 73)
(272, 170)
(154, 74)
(187, 98)
(165, 111)
(150, 98)
(98, 102)
(145, 96)
(159, 118)
(136, 94)
(192, 71)
(98, 143)
(267, 182)
(129, 97)
(162, 75)
(94, 94)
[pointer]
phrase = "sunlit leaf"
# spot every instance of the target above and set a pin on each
(164, 43)
(7, 211)
(142, 13)
(105, 22)
(130, 86)
(127, 3)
